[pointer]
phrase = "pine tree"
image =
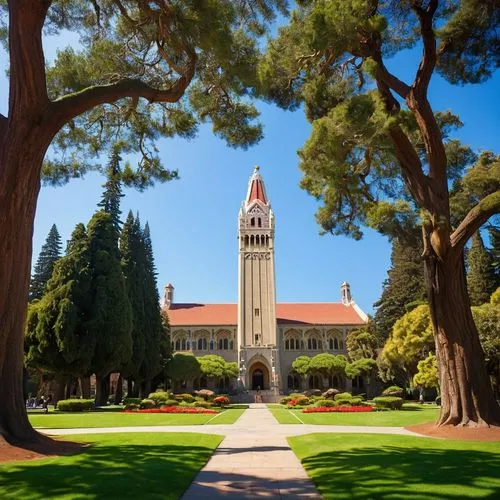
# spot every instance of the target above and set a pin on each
(110, 201)
(133, 267)
(110, 312)
(49, 254)
(481, 276)
(155, 331)
(57, 339)
(404, 288)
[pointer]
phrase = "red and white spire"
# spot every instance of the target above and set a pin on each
(256, 189)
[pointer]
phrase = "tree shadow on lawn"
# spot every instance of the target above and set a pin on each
(396, 473)
(103, 471)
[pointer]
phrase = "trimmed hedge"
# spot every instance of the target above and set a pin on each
(132, 401)
(75, 405)
(171, 402)
(342, 395)
(147, 404)
(159, 397)
(390, 402)
(325, 403)
(131, 406)
(393, 390)
(187, 398)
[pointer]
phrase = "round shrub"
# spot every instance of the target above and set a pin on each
(159, 397)
(204, 404)
(134, 401)
(74, 405)
(388, 402)
(286, 400)
(343, 395)
(187, 398)
(131, 406)
(221, 401)
(171, 402)
(146, 404)
(393, 390)
(325, 403)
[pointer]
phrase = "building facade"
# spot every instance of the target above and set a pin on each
(263, 336)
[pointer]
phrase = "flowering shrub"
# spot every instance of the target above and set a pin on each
(221, 401)
(172, 409)
(338, 409)
(299, 400)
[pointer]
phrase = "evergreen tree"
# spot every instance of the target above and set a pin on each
(49, 254)
(495, 253)
(57, 338)
(404, 287)
(481, 276)
(155, 330)
(133, 268)
(110, 312)
(110, 201)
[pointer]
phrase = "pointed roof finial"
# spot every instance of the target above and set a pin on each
(256, 190)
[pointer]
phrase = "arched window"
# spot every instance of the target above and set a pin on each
(252, 221)
(320, 344)
(212, 344)
(336, 343)
(287, 344)
(259, 222)
(219, 344)
(226, 344)
(188, 345)
(183, 345)
(330, 344)
(231, 345)
(252, 240)
(200, 344)
(247, 240)
(341, 344)
(292, 344)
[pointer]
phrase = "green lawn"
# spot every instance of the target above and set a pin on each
(409, 415)
(399, 467)
(117, 419)
(114, 466)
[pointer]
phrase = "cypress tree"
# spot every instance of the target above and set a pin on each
(49, 254)
(110, 201)
(155, 330)
(57, 339)
(110, 312)
(495, 253)
(404, 288)
(480, 276)
(133, 268)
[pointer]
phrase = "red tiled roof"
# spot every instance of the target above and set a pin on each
(257, 191)
(330, 313)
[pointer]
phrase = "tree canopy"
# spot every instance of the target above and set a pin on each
(362, 342)
(481, 279)
(427, 373)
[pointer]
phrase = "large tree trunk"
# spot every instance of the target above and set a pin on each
(102, 390)
(466, 394)
(119, 390)
(85, 387)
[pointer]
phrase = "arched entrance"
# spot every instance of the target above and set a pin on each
(259, 376)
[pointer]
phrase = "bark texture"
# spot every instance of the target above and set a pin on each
(466, 395)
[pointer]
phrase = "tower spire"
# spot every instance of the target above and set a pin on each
(256, 189)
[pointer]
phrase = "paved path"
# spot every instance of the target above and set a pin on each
(254, 460)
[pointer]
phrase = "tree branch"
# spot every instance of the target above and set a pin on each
(476, 217)
(429, 56)
(394, 83)
(70, 106)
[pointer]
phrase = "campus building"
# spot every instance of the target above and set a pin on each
(263, 336)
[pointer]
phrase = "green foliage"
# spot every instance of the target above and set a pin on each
(183, 367)
(495, 253)
(171, 402)
(325, 403)
(110, 312)
(147, 403)
(301, 364)
(411, 335)
(132, 401)
(58, 338)
(204, 53)
(427, 374)
(342, 395)
(327, 364)
(75, 405)
(495, 297)
(49, 255)
(388, 402)
(159, 397)
(481, 278)
(361, 342)
(212, 366)
(360, 367)
(110, 201)
(185, 398)
(393, 390)
(132, 406)
(404, 287)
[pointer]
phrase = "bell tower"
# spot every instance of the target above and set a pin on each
(256, 279)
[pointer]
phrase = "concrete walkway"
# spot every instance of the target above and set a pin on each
(254, 460)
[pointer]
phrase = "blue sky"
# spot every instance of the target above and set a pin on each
(193, 220)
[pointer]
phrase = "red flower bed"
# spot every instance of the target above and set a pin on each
(172, 409)
(339, 409)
